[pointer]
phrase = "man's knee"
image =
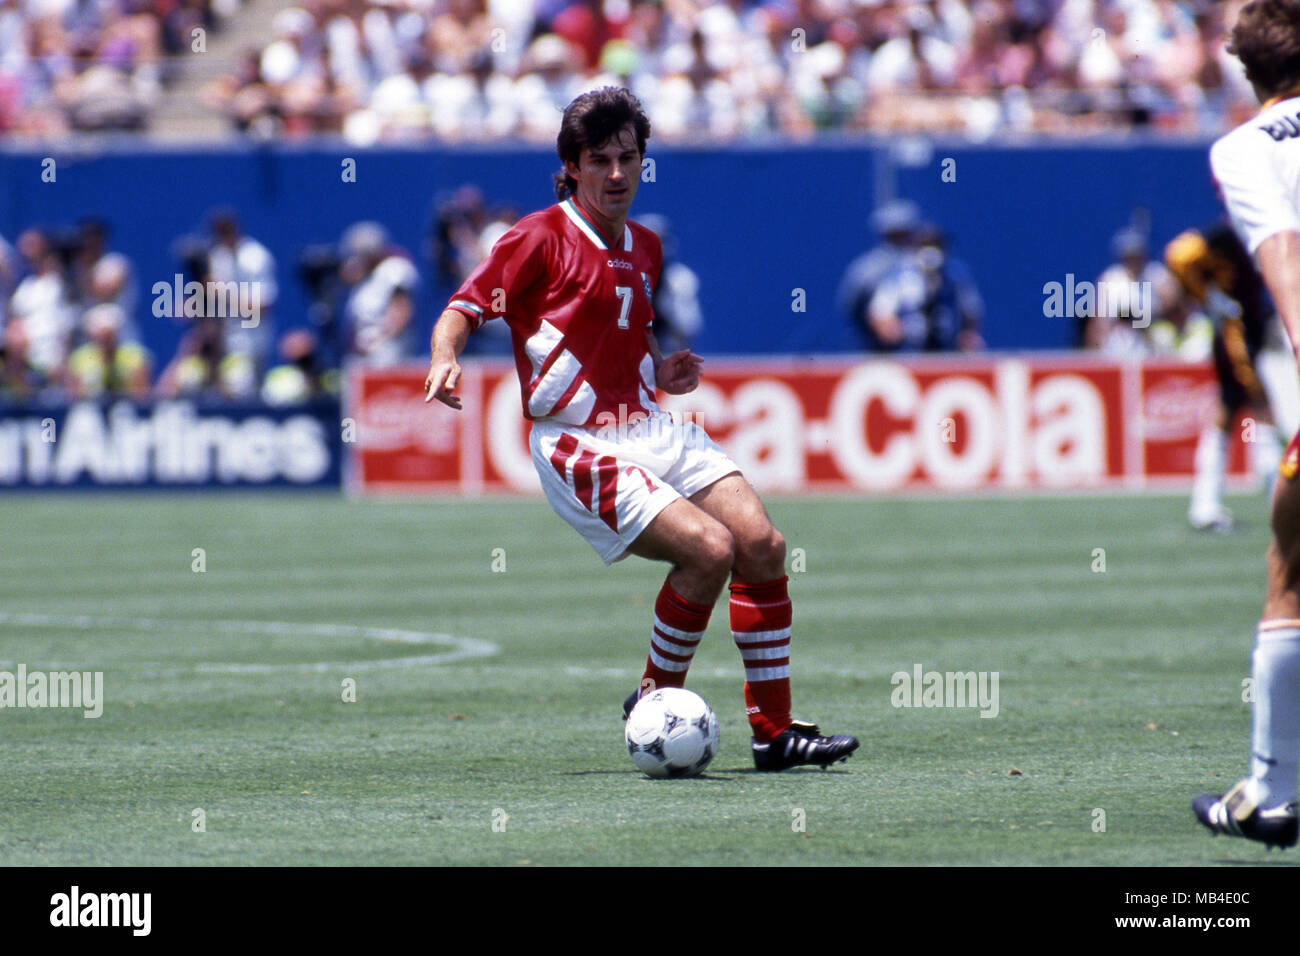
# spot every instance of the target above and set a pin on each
(762, 550)
(771, 550)
(717, 548)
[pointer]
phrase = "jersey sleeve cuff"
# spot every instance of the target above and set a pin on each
(471, 311)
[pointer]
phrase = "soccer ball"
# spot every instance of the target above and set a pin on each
(672, 732)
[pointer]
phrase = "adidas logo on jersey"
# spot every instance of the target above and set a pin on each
(619, 263)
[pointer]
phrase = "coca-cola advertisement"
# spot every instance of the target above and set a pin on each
(988, 423)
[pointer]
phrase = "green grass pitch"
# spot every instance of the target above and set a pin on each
(486, 725)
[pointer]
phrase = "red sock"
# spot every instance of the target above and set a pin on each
(760, 626)
(679, 625)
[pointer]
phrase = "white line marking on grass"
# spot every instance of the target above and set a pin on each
(461, 648)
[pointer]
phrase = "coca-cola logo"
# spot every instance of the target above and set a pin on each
(395, 417)
(1177, 408)
(1001, 422)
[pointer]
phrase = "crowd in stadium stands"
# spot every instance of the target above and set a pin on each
(465, 70)
(76, 65)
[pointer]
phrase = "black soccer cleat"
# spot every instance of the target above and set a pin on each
(1236, 814)
(630, 702)
(802, 743)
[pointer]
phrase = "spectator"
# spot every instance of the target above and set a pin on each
(895, 223)
(235, 257)
(464, 231)
(40, 305)
(380, 306)
(928, 302)
(19, 379)
(106, 366)
(101, 277)
(247, 99)
(98, 65)
(1184, 331)
(584, 24)
(302, 376)
(1132, 293)
(203, 369)
(919, 59)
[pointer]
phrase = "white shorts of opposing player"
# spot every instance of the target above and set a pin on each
(611, 482)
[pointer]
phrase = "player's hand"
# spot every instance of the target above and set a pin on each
(679, 373)
(441, 382)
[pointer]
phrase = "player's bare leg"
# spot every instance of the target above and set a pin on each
(1282, 601)
(699, 547)
(1263, 805)
(700, 550)
(724, 530)
(759, 547)
(761, 618)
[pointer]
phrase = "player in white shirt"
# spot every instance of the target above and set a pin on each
(1257, 167)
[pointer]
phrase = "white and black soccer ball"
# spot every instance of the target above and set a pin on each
(672, 732)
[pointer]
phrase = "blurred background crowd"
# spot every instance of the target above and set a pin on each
(391, 71)
(71, 309)
(478, 70)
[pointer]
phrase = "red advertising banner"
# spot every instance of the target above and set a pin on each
(953, 424)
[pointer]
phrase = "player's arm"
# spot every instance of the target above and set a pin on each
(678, 373)
(449, 337)
(519, 258)
(1279, 263)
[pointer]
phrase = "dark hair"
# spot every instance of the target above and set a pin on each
(1267, 41)
(591, 121)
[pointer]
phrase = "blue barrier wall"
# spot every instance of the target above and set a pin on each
(755, 222)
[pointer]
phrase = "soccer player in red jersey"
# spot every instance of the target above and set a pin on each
(575, 282)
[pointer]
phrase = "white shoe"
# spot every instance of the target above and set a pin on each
(1219, 522)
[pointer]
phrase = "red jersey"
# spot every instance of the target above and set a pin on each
(579, 313)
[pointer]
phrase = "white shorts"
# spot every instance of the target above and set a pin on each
(610, 483)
